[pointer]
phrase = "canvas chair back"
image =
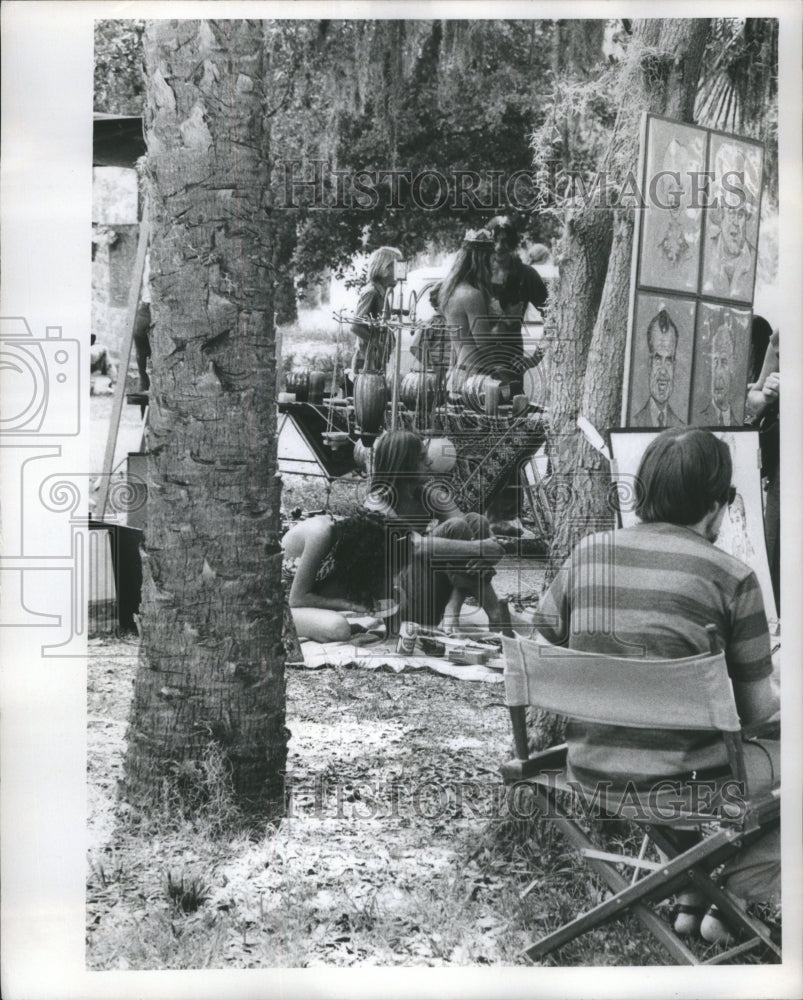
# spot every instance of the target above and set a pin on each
(690, 693)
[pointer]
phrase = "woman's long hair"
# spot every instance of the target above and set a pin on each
(379, 260)
(472, 267)
(396, 462)
(358, 558)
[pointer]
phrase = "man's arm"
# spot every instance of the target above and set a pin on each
(755, 700)
(485, 551)
(748, 654)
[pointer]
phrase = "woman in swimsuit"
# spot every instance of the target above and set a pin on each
(331, 568)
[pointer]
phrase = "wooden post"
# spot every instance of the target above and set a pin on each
(125, 358)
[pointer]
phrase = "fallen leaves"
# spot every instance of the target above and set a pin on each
(377, 863)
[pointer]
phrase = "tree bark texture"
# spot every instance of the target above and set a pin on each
(589, 318)
(211, 671)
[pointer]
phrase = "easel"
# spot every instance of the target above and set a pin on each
(125, 359)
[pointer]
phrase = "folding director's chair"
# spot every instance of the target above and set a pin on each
(690, 693)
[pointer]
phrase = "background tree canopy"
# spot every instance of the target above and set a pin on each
(441, 96)
(447, 96)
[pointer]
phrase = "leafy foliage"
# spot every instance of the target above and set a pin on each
(739, 89)
(449, 96)
(416, 96)
(119, 80)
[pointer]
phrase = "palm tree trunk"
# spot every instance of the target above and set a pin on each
(211, 674)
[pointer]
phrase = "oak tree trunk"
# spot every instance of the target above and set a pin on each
(589, 316)
(210, 681)
(588, 323)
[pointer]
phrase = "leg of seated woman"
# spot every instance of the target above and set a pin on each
(424, 585)
(448, 612)
(480, 526)
(451, 613)
(463, 582)
(320, 625)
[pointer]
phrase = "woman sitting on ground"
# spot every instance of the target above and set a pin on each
(331, 568)
(449, 555)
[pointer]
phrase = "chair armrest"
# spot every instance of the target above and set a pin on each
(553, 759)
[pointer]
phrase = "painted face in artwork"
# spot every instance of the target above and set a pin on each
(662, 365)
(734, 229)
(721, 367)
(737, 514)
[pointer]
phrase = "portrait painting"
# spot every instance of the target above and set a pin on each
(731, 220)
(672, 221)
(742, 530)
(721, 354)
(662, 350)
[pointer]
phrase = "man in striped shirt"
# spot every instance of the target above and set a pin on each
(649, 591)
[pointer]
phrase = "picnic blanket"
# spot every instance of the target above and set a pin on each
(383, 656)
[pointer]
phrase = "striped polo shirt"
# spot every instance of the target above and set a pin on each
(649, 591)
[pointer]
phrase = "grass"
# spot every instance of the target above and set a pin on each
(308, 345)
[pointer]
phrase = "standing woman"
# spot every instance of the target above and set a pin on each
(371, 305)
(465, 300)
(448, 555)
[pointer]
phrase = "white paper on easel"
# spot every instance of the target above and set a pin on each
(742, 531)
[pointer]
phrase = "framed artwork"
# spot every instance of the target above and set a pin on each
(662, 354)
(721, 355)
(731, 220)
(742, 531)
(671, 226)
(694, 265)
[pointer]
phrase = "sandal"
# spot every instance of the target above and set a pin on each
(714, 929)
(689, 913)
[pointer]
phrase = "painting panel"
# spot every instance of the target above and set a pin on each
(672, 220)
(742, 531)
(721, 356)
(731, 223)
(663, 342)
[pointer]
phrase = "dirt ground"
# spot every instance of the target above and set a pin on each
(393, 781)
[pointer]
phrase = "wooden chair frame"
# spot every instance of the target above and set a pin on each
(691, 693)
